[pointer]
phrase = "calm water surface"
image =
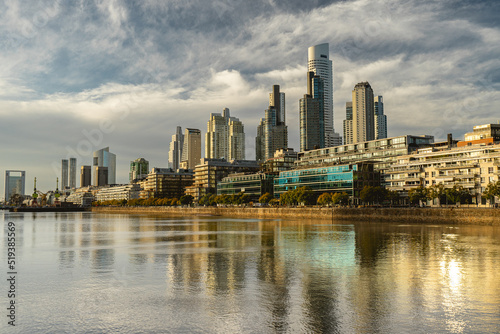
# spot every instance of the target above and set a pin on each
(97, 273)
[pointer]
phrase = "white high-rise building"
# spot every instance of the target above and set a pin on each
(225, 137)
(175, 152)
(319, 62)
(104, 158)
(380, 118)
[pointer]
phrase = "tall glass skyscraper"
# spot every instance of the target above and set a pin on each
(319, 62)
(104, 158)
(311, 109)
(14, 183)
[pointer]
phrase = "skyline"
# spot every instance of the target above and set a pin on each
(143, 69)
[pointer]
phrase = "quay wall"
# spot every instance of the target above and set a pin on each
(473, 216)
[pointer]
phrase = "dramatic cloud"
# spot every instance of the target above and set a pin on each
(78, 76)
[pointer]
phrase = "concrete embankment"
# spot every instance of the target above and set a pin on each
(479, 216)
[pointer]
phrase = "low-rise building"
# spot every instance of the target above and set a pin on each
(254, 185)
(349, 178)
(482, 134)
(166, 183)
(118, 192)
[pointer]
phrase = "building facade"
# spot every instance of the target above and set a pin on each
(175, 149)
(191, 152)
(72, 173)
(64, 174)
(363, 114)
(379, 118)
(311, 108)
(85, 176)
(15, 181)
(166, 183)
(348, 132)
(139, 169)
(225, 137)
(254, 185)
(118, 192)
(104, 158)
(318, 62)
(101, 176)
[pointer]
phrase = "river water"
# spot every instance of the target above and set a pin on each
(98, 273)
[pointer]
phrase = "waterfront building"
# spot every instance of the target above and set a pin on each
(15, 181)
(254, 185)
(283, 159)
(383, 152)
(348, 133)
(139, 169)
(471, 167)
(118, 192)
(363, 120)
(175, 151)
(318, 62)
(85, 176)
(166, 183)
(82, 196)
(191, 151)
(101, 176)
(211, 171)
(104, 158)
(311, 109)
(349, 178)
(482, 134)
(272, 127)
(380, 119)
(225, 137)
(64, 174)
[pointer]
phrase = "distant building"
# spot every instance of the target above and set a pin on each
(482, 134)
(348, 131)
(272, 127)
(104, 158)
(318, 62)
(72, 173)
(139, 169)
(100, 176)
(191, 152)
(175, 152)
(64, 174)
(282, 160)
(118, 192)
(380, 118)
(85, 176)
(225, 137)
(166, 183)
(14, 183)
(311, 109)
(363, 118)
(252, 184)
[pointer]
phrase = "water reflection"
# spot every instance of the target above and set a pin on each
(146, 273)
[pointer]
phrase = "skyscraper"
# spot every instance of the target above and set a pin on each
(175, 152)
(64, 174)
(311, 108)
(139, 169)
(348, 124)
(272, 130)
(14, 184)
(363, 120)
(319, 62)
(225, 137)
(191, 152)
(85, 176)
(380, 118)
(104, 158)
(72, 173)
(101, 175)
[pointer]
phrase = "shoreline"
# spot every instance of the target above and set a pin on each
(465, 216)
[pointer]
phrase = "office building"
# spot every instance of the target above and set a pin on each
(272, 128)
(348, 134)
(379, 118)
(166, 183)
(319, 62)
(139, 169)
(191, 152)
(363, 120)
(72, 173)
(312, 129)
(253, 185)
(14, 183)
(225, 137)
(64, 174)
(85, 176)
(104, 158)
(101, 175)
(175, 151)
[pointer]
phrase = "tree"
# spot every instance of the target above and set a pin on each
(305, 195)
(325, 199)
(340, 198)
(492, 190)
(436, 191)
(417, 194)
(274, 202)
(393, 196)
(186, 200)
(264, 199)
(371, 194)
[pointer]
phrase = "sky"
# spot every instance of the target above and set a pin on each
(78, 76)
